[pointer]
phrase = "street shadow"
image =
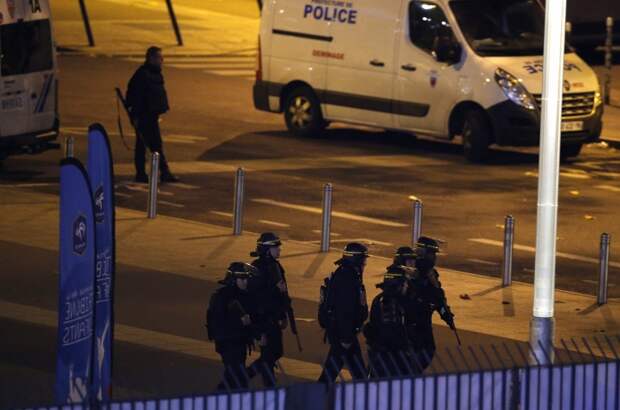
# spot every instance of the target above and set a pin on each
(351, 141)
(199, 238)
(508, 302)
(487, 291)
(315, 265)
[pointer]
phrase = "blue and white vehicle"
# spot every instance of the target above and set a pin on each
(436, 68)
(28, 78)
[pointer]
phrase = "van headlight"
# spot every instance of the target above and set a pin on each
(598, 98)
(514, 89)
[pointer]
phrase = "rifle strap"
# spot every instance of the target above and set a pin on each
(119, 122)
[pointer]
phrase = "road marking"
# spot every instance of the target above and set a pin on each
(331, 233)
(185, 186)
(574, 175)
(344, 215)
(224, 214)
(305, 319)
(30, 185)
(273, 223)
(149, 338)
(531, 249)
(362, 240)
(173, 204)
(483, 262)
(142, 188)
(122, 195)
(608, 188)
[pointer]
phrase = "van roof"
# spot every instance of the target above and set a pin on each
(13, 11)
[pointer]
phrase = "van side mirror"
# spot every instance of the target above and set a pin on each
(447, 50)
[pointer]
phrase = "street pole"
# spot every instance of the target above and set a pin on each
(609, 25)
(89, 32)
(542, 324)
(175, 24)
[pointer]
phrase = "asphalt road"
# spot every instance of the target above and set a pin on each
(213, 128)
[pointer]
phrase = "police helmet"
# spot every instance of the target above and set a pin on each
(426, 245)
(403, 254)
(355, 250)
(240, 270)
(395, 275)
(265, 241)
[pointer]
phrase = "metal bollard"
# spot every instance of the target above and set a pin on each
(153, 186)
(609, 23)
(416, 224)
(601, 297)
(69, 147)
(175, 24)
(86, 20)
(238, 202)
(509, 237)
(327, 218)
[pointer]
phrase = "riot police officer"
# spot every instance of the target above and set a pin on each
(342, 312)
(230, 323)
(386, 331)
(427, 296)
(271, 292)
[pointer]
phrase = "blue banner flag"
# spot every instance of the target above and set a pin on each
(101, 174)
(74, 358)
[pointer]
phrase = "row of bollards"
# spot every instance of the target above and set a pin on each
(509, 234)
(326, 212)
(416, 228)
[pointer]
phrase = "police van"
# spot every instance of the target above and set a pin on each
(438, 68)
(28, 78)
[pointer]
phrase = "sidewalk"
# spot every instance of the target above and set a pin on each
(138, 25)
(202, 251)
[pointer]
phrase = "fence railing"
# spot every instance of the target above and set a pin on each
(585, 374)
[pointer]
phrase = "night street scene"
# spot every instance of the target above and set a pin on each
(309, 204)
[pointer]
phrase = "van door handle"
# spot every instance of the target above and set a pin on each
(377, 63)
(408, 67)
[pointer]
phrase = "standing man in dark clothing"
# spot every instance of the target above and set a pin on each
(146, 101)
(386, 331)
(231, 320)
(427, 296)
(342, 312)
(271, 292)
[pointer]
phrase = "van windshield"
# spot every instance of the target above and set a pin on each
(25, 47)
(501, 27)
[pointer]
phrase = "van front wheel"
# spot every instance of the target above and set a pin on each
(302, 113)
(476, 135)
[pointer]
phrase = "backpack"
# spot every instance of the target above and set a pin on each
(325, 308)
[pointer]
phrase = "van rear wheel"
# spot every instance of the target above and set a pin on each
(302, 113)
(476, 136)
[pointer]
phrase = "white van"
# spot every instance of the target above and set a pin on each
(437, 68)
(28, 78)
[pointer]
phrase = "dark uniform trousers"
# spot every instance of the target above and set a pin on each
(338, 356)
(148, 128)
(233, 358)
(269, 355)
